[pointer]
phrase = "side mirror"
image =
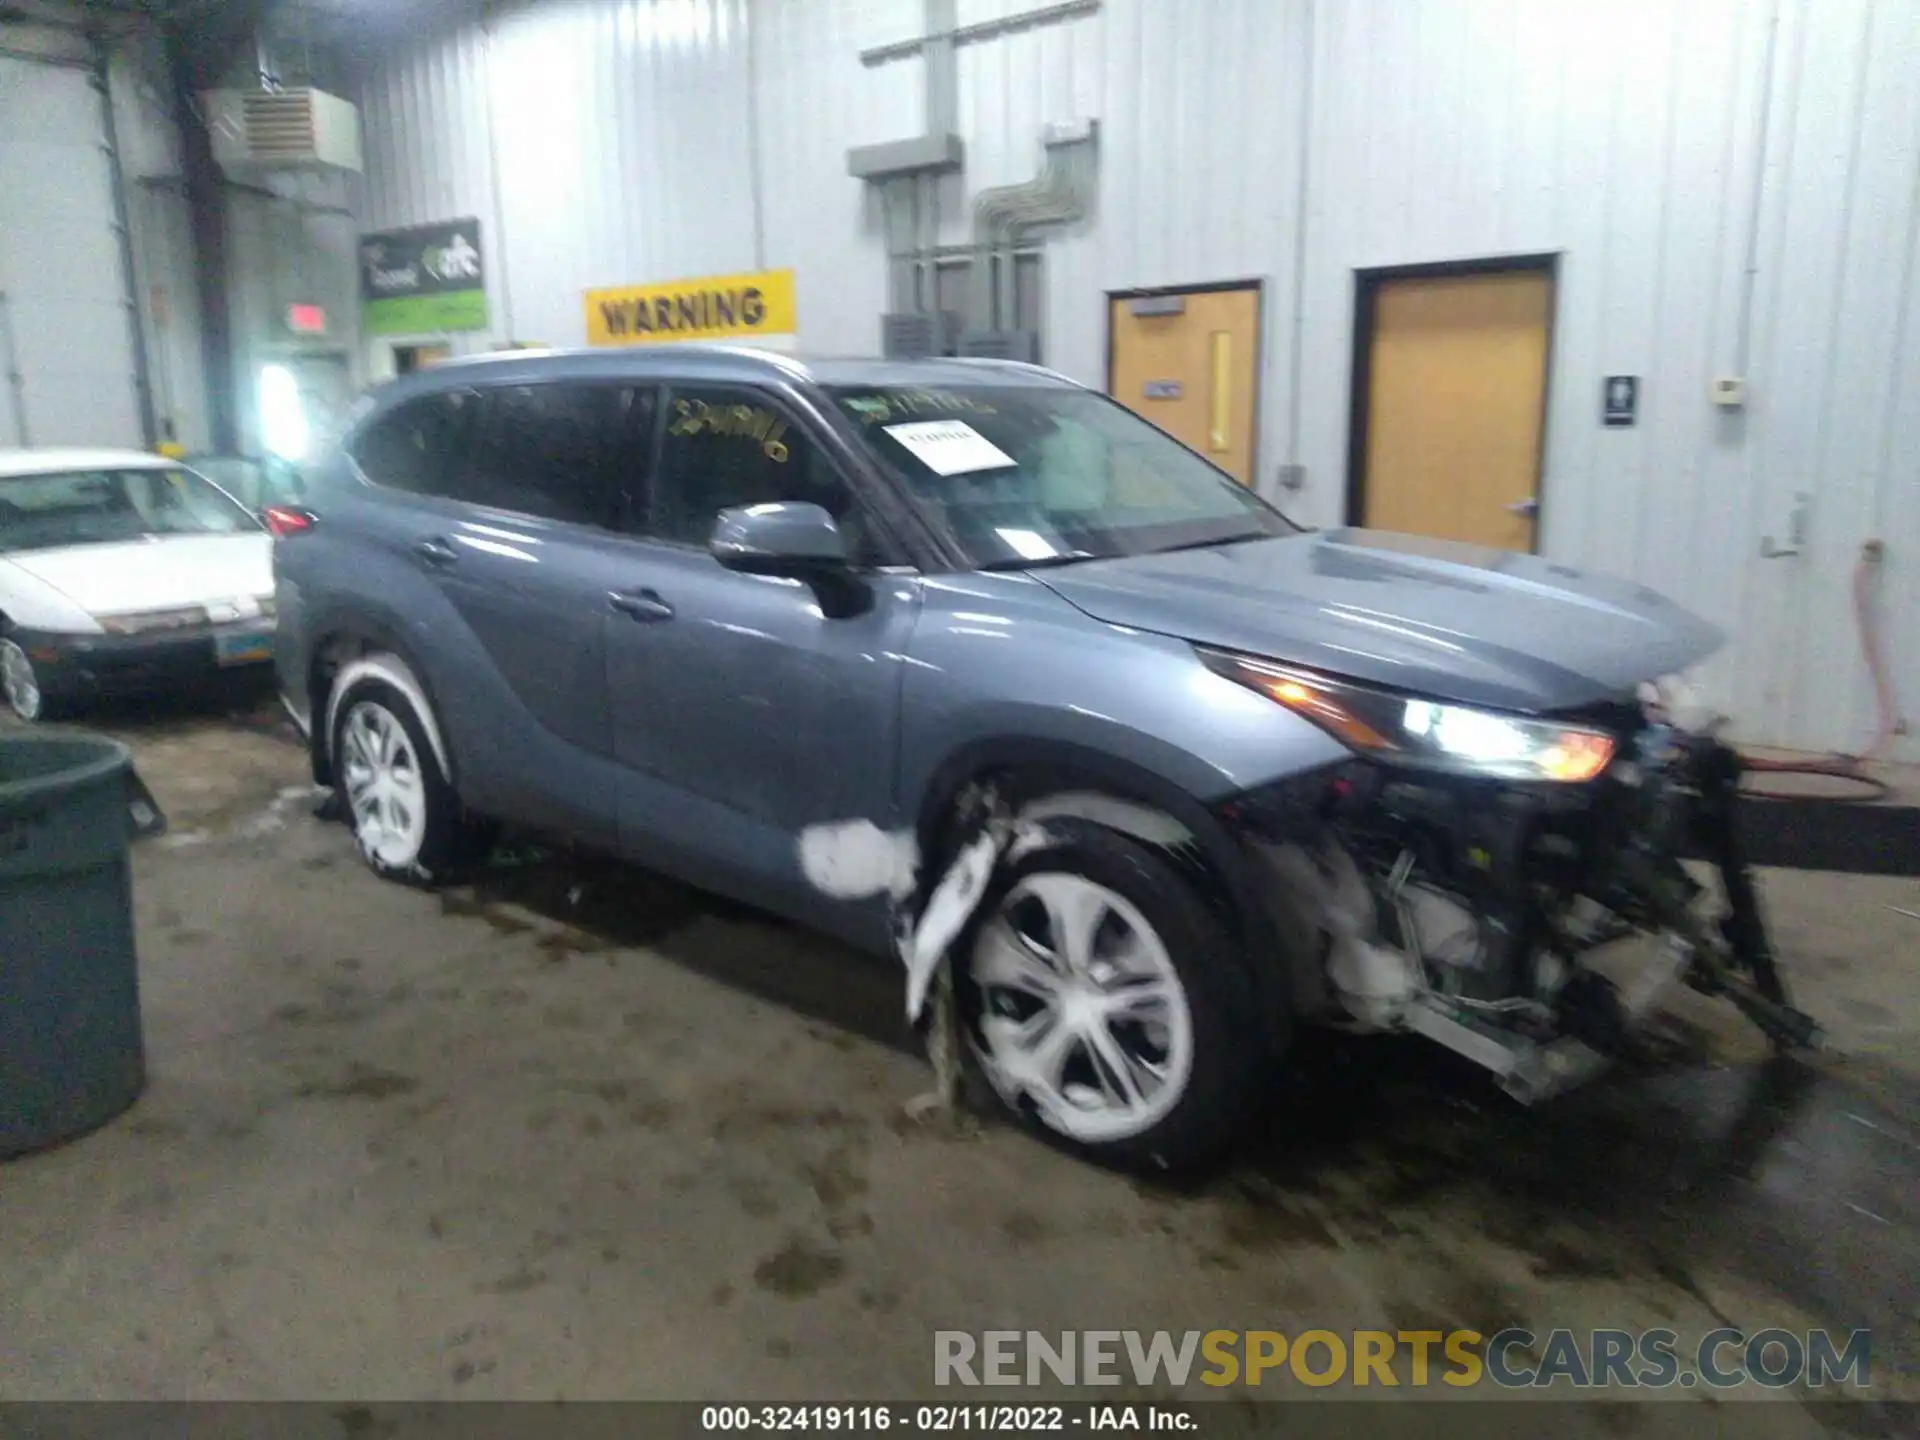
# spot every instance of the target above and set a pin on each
(787, 538)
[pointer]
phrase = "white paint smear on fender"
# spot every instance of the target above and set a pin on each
(856, 860)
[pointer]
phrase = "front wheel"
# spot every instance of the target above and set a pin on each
(1109, 1006)
(20, 684)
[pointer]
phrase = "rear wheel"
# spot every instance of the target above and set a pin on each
(1109, 1006)
(405, 816)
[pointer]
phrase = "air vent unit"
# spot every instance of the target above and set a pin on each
(918, 336)
(257, 132)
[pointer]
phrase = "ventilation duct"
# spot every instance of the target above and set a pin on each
(1060, 195)
(263, 132)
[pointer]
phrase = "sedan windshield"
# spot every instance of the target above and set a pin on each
(107, 507)
(1041, 475)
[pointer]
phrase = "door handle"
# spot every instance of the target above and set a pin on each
(436, 552)
(645, 605)
(1529, 508)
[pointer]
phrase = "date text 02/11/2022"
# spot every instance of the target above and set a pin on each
(945, 1419)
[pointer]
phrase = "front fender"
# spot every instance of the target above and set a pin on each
(1000, 660)
(30, 603)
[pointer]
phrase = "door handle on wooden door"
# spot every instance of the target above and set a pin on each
(1528, 509)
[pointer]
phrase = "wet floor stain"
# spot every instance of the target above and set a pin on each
(1803, 1178)
(799, 1269)
(519, 1282)
(1024, 1228)
(359, 1082)
(836, 1179)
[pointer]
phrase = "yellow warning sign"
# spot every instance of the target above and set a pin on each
(723, 307)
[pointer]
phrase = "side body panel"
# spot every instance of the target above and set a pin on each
(357, 573)
(748, 715)
(999, 658)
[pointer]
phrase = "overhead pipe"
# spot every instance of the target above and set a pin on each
(1059, 195)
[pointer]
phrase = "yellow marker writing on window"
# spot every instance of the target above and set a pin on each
(1221, 392)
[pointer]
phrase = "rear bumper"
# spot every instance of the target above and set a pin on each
(82, 666)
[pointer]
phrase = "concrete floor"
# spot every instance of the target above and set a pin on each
(578, 1133)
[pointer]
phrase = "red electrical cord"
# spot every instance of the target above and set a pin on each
(1850, 769)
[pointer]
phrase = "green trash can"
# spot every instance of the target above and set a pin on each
(72, 1053)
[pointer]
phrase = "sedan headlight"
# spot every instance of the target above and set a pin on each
(1428, 733)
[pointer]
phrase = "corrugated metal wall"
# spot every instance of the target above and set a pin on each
(60, 255)
(1731, 185)
(165, 266)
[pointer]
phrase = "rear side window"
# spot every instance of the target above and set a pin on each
(416, 446)
(560, 451)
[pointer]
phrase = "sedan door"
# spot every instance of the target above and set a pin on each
(744, 709)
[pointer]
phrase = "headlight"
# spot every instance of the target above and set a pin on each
(1429, 733)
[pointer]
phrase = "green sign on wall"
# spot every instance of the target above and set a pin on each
(423, 279)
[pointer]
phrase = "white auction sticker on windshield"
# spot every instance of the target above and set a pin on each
(950, 447)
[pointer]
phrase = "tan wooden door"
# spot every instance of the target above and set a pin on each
(1193, 373)
(1456, 401)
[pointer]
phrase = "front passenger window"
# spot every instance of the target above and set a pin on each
(730, 447)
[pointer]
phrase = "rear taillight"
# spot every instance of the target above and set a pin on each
(287, 520)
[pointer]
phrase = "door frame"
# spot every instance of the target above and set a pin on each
(1206, 287)
(1366, 294)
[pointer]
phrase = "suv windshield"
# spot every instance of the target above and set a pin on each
(105, 507)
(1032, 475)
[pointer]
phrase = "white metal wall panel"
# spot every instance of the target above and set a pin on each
(60, 262)
(166, 268)
(1625, 136)
(618, 133)
(426, 132)
(1835, 345)
(815, 101)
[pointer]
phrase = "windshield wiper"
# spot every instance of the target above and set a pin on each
(1209, 544)
(1044, 562)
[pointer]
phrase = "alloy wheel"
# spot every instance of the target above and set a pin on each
(1084, 1016)
(385, 788)
(20, 684)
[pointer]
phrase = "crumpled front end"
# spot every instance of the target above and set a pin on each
(1466, 908)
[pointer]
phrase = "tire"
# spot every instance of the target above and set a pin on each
(411, 830)
(1193, 1049)
(21, 688)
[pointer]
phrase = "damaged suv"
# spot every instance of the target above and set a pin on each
(969, 665)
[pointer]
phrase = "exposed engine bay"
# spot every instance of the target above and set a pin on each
(1464, 908)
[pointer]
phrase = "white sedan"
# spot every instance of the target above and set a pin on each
(123, 571)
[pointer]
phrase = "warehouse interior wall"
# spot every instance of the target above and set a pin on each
(167, 281)
(1729, 187)
(78, 347)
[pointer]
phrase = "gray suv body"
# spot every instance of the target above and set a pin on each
(960, 660)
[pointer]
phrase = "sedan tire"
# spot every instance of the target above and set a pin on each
(20, 684)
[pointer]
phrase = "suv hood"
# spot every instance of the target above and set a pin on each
(1429, 617)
